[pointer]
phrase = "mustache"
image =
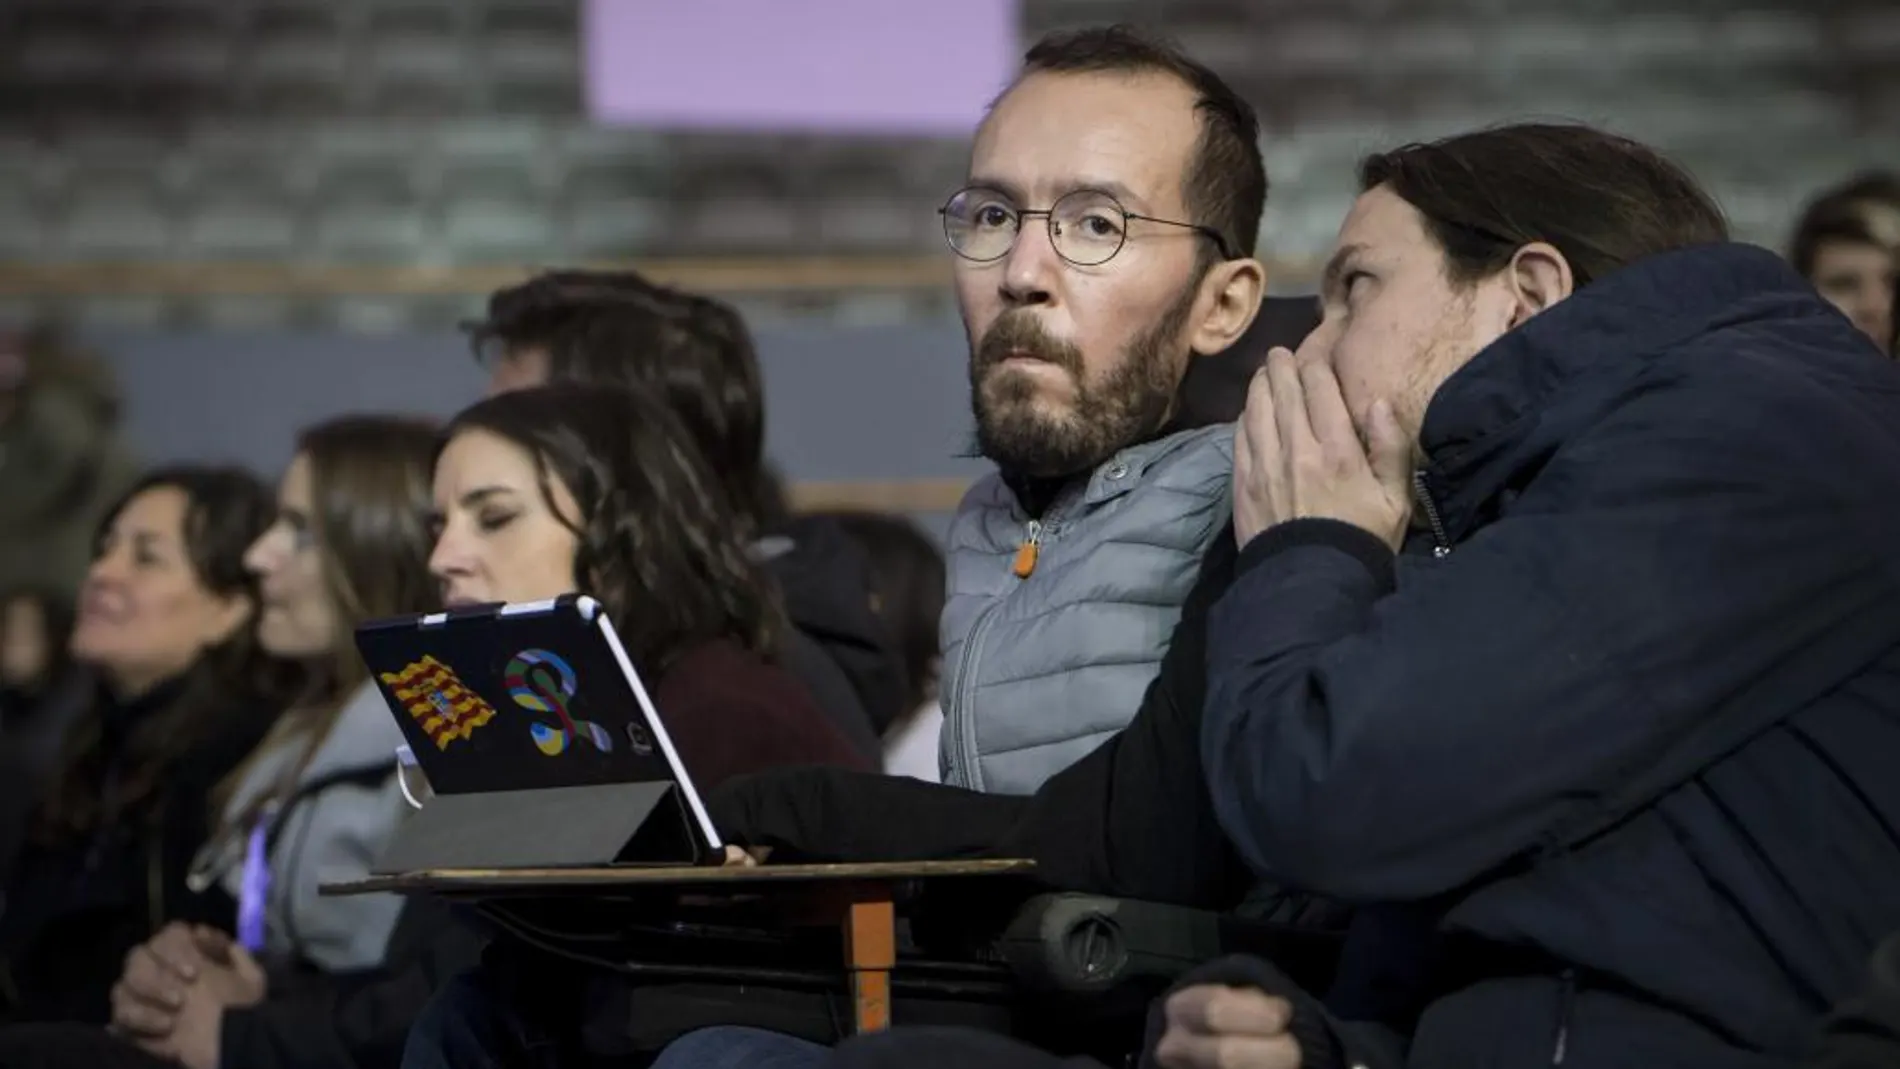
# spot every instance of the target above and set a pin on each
(1018, 334)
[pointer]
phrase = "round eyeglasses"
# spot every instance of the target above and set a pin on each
(1087, 227)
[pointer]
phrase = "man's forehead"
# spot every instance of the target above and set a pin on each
(1380, 218)
(1055, 132)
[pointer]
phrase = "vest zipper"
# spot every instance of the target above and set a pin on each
(960, 713)
(1441, 544)
(1028, 551)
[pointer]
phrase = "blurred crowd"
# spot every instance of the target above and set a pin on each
(1620, 510)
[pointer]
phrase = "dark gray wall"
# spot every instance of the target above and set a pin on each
(843, 403)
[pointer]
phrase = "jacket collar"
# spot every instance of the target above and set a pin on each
(1539, 383)
(1121, 472)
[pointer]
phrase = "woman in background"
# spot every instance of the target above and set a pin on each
(314, 802)
(350, 544)
(167, 620)
(561, 489)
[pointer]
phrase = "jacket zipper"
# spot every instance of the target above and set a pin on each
(960, 705)
(1566, 1000)
(1027, 552)
(1441, 545)
(1022, 567)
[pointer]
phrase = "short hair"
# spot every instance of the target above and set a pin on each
(1602, 200)
(656, 543)
(1865, 210)
(1225, 186)
(618, 329)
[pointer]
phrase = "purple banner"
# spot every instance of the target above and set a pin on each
(835, 66)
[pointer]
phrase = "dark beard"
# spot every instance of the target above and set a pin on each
(1120, 410)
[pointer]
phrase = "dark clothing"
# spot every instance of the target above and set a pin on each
(33, 729)
(309, 1020)
(359, 1018)
(839, 648)
(1324, 1042)
(1633, 736)
(728, 713)
(73, 910)
(1214, 390)
(64, 1045)
(1864, 1031)
(1131, 819)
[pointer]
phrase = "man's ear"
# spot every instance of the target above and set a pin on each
(1228, 300)
(1539, 277)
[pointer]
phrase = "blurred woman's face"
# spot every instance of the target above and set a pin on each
(497, 538)
(1858, 279)
(297, 618)
(144, 614)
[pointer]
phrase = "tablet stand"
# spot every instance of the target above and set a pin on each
(558, 827)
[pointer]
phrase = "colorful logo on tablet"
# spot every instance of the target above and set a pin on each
(432, 693)
(542, 682)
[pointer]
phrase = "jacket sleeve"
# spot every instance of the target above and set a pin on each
(335, 839)
(1670, 583)
(1864, 1031)
(360, 1018)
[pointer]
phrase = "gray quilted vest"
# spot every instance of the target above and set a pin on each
(1038, 670)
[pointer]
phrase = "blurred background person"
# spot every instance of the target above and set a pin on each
(562, 489)
(167, 618)
(1848, 244)
(61, 461)
(350, 543)
(615, 329)
(36, 664)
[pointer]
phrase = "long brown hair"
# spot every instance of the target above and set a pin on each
(227, 508)
(370, 488)
(657, 541)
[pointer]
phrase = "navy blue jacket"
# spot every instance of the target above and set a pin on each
(1628, 721)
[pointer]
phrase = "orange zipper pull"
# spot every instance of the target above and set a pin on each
(1027, 552)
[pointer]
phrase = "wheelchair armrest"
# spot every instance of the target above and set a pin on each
(1077, 944)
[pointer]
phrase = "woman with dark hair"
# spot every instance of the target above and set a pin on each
(548, 491)
(317, 799)
(560, 489)
(313, 803)
(167, 620)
